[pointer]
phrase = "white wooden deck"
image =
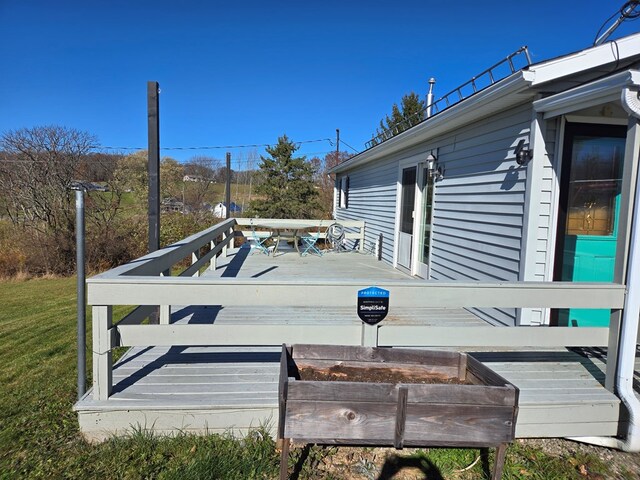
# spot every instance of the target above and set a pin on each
(216, 389)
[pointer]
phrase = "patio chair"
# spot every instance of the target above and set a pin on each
(258, 241)
(309, 241)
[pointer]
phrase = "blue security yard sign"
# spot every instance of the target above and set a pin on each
(373, 304)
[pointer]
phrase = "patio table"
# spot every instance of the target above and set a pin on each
(281, 230)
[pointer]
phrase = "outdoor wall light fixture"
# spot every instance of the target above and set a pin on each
(523, 155)
(433, 168)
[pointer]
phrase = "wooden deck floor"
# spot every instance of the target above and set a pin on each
(247, 263)
(216, 389)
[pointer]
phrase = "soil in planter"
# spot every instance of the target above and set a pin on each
(342, 373)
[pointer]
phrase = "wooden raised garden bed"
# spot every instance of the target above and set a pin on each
(343, 395)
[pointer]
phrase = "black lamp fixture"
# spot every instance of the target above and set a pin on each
(523, 155)
(433, 168)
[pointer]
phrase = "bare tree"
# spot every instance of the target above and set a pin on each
(324, 181)
(200, 174)
(37, 166)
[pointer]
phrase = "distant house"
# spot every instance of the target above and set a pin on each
(96, 187)
(528, 179)
(172, 205)
(220, 210)
(192, 178)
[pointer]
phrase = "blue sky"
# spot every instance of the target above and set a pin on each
(245, 72)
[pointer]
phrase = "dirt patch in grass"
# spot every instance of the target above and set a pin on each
(549, 459)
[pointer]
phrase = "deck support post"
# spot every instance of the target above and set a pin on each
(369, 335)
(102, 361)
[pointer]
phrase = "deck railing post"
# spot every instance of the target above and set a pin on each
(212, 262)
(165, 314)
(102, 361)
(369, 335)
(612, 350)
(362, 238)
(225, 235)
(195, 256)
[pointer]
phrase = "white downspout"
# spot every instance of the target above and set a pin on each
(630, 319)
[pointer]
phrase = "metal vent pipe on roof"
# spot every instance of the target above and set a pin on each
(432, 82)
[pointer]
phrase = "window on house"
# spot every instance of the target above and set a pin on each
(344, 192)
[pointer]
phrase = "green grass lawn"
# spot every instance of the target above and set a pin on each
(39, 435)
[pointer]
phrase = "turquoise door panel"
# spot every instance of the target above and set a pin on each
(591, 224)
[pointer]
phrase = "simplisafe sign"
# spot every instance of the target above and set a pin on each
(373, 305)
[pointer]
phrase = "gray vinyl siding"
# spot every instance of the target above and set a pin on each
(479, 206)
(372, 197)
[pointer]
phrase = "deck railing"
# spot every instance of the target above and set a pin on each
(147, 282)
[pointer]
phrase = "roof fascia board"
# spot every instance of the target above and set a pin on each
(467, 111)
(595, 93)
(610, 52)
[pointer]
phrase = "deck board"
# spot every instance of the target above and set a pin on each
(563, 398)
(242, 263)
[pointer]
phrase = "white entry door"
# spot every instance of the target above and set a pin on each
(405, 232)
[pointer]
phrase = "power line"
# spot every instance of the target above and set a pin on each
(213, 147)
(235, 161)
(342, 141)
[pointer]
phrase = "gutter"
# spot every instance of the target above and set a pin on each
(630, 319)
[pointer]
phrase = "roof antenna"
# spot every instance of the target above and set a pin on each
(627, 12)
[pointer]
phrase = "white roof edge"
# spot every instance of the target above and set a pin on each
(464, 112)
(613, 51)
(583, 96)
(536, 74)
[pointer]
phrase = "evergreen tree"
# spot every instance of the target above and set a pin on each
(286, 188)
(411, 112)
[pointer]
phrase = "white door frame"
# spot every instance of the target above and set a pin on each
(416, 161)
(416, 264)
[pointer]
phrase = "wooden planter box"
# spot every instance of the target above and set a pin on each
(480, 413)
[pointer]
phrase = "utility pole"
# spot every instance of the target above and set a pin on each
(228, 186)
(337, 144)
(153, 123)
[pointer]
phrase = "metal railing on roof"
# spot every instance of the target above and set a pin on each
(477, 83)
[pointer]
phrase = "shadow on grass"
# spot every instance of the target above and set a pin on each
(297, 469)
(396, 463)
